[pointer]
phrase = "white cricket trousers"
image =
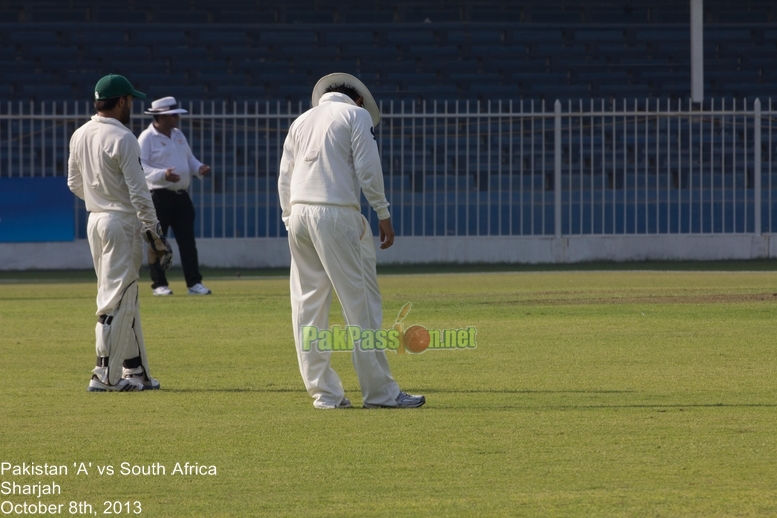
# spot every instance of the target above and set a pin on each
(332, 247)
(117, 252)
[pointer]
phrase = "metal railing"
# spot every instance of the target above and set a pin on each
(464, 168)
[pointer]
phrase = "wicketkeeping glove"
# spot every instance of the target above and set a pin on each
(158, 247)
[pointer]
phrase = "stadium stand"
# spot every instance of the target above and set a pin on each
(421, 50)
(413, 52)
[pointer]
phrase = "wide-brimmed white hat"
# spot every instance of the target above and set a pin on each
(340, 78)
(165, 106)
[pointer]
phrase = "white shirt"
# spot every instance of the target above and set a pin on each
(104, 169)
(159, 152)
(329, 154)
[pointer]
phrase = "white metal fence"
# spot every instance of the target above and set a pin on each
(461, 168)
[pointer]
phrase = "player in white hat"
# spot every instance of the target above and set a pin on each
(104, 170)
(329, 155)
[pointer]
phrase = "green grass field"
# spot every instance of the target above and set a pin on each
(590, 393)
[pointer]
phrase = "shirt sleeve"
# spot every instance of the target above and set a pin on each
(130, 164)
(75, 180)
(284, 179)
(194, 164)
(366, 162)
(154, 175)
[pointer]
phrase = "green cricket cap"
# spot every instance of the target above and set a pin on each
(114, 85)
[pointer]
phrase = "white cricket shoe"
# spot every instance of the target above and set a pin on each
(345, 403)
(404, 400)
(162, 291)
(150, 384)
(199, 289)
(124, 385)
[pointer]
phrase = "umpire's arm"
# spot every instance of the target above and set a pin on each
(129, 162)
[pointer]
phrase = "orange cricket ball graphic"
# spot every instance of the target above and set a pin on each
(417, 339)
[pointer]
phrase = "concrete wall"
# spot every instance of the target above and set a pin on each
(274, 252)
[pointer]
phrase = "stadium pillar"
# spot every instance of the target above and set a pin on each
(557, 168)
(697, 51)
(757, 166)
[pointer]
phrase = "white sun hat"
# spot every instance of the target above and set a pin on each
(340, 78)
(165, 106)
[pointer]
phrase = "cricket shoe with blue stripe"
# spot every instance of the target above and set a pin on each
(199, 289)
(404, 400)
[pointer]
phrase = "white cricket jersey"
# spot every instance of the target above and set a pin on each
(329, 154)
(159, 152)
(104, 169)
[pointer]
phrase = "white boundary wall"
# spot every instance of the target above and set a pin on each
(274, 252)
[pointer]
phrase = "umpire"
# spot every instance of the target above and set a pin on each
(169, 166)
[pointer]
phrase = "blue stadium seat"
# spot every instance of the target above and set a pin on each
(30, 34)
(113, 13)
(60, 14)
(294, 35)
(351, 37)
(99, 37)
(222, 37)
(167, 36)
(47, 92)
(359, 13)
(167, 15)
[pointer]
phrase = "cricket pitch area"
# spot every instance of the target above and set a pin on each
(589, 393)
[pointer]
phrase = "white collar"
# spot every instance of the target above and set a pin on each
(109, 120)
(336, 97)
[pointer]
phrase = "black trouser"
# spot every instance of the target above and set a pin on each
(175, 209)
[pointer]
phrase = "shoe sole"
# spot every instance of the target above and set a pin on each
(338, 407)
(95, 386)
(97, 389)
(422, 403)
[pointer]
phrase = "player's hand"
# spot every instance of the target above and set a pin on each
(204, 170)
(170, 176)
(165, 259)
(159, 248)
(386, 233)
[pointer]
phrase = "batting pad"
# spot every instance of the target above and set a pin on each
(115, 337)
(140, 342)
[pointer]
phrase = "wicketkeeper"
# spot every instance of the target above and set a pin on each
(104, 170)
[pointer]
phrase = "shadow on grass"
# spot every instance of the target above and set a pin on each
(176, 274)
(681, 406)
(658, 407)
(520, 391)
(420, 390)
(485, 406)
(236, 390)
